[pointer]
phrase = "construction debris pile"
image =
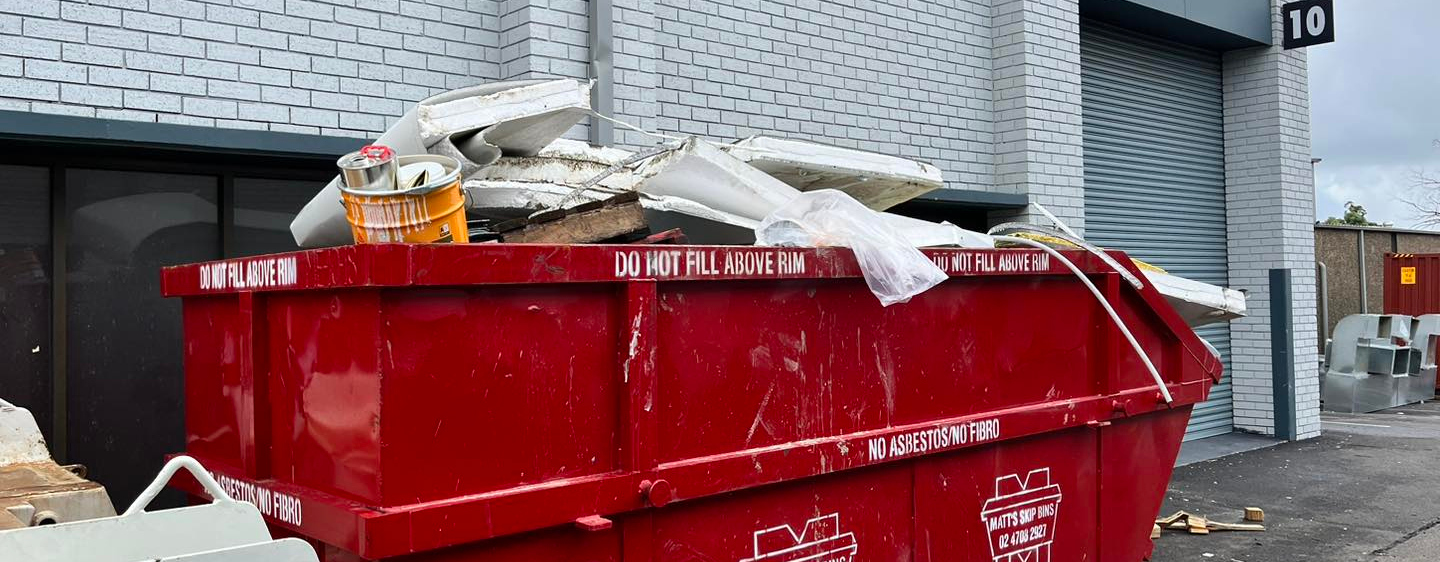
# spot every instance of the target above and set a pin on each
(1201, 525)
(519, 181)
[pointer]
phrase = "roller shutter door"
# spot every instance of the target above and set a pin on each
(1155, 168)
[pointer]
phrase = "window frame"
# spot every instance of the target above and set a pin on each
(60, 157)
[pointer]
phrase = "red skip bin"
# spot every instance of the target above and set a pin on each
(509, 403)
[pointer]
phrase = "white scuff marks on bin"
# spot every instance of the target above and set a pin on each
(878, 181)
(760, 417)
(634, 344)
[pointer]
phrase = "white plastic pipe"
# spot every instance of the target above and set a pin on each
(1155, 374)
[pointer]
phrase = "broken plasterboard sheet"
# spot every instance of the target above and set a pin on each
(564, 162)
(879, 181)
(699, 171)
(505, 199)
(523, 116)
(1198, 303)
(520, 119)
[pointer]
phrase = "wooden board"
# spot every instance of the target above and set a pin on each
(582, 224)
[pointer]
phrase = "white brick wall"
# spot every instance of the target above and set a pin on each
(1036, 60)
(1270, 221)
(342, 67)
(908, 77)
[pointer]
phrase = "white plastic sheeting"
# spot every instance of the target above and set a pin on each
(894, 269)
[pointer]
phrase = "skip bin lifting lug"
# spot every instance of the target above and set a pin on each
(657, 493)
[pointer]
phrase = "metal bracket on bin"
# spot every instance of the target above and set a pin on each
(594, 523)
(193, 466)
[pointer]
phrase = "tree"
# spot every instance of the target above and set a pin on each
(1424, 198)
(1354, 216)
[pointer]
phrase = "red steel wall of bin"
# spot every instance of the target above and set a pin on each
(494, 403)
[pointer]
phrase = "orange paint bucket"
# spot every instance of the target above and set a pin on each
(431, 212)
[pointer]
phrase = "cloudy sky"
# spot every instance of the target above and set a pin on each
(1375, 107)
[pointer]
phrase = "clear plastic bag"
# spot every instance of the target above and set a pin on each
(893, 268)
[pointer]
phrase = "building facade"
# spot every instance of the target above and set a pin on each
(138, 133)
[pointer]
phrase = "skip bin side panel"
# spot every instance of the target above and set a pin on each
(1161, 346)
(851, 516)
(1010, 501)
(755, 364)
(1137, 456)
(212, 377)
(494, 387)
(562, 544)
(325, 395)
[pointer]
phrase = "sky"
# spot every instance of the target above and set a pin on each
(1375, 107)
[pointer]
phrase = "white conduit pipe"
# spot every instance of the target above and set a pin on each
(1154, 374)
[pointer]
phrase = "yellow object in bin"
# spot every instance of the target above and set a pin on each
(431, 212)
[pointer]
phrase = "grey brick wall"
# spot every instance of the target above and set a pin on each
(636, 62)
(1270, 199)
(545, 39)
(1036, 59)
(342, 67)
(908, 77)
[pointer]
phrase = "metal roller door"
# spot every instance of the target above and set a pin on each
(1155, 168)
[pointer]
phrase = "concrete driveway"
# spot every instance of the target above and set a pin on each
(1367, 490)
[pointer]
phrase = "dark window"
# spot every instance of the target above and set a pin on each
(125, 388)
(25, 290)
(263, 211)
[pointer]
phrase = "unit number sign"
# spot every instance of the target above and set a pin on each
(1308, 22)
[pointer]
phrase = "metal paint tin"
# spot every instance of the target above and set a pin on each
(430, 212)
(371, 168)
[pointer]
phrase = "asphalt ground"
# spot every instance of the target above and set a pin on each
(1367, 489)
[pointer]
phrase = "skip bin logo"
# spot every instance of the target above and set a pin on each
(819, 541)
(1020, 519)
